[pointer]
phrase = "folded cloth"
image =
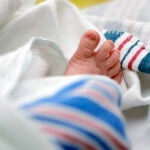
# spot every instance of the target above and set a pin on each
(7, 8)
(37, 58)
(50, 20)
(84, 113)
(135, 84)
(17, 132)
(46, 21)
(134, 55)
(119, 15)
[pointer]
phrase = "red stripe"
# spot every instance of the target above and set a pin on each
(108, 88)
(100, 99)
(124, 42)
(85, 122)
(134, 57)
(68, 137)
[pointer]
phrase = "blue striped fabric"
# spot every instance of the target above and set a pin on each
(128, 51)
(145, 64)
(134, 57)
(68, 146)
(112, 35)
(80, 115)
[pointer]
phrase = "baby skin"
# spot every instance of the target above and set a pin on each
(104, 61)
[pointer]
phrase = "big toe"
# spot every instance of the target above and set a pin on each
(88, 43)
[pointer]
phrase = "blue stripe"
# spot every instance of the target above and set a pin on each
(72, 86)
(144, 65)
(69, 89)
(129, 51)
(115, 87)
(104, 92)
(67, 146)
(82, 103)
(65, 91)
(85, 104)
(113, 35)
(99, 140)
(85, 83)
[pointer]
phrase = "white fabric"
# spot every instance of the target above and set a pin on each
(35, 44)
(17, 133)
(38, 58)
(40, 39)
(130, 16)
(7, 8)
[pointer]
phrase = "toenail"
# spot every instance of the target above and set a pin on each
(92, 36)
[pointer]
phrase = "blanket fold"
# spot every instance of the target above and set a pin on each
(42, 36)
(7, 8)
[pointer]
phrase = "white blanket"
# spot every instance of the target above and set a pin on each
(40, 39)
(130, 16)
(7, 8)
(35, 44)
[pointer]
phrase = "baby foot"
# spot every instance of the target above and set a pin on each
(104, 61)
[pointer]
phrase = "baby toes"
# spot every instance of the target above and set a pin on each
(118, 77)
(104, 51)
(113, 59)
(87, 45)
(114, 70)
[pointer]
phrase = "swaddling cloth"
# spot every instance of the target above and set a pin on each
(135, 55)
(7, 8)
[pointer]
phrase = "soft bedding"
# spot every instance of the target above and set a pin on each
(33, 35)
(133, 17)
